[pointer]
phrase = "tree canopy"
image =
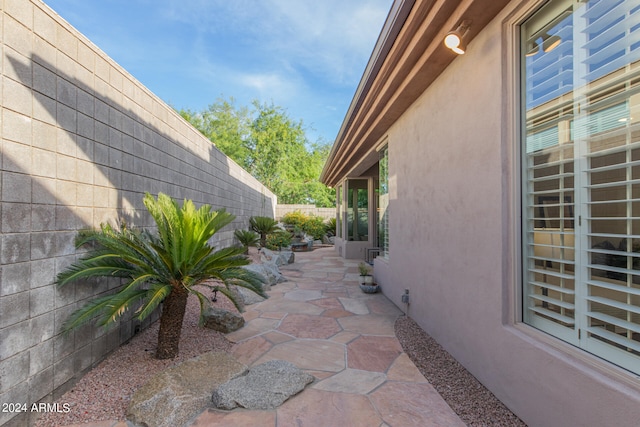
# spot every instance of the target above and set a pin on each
(270, 145)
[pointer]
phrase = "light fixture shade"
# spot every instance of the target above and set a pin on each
(454, 40)
(550, 42)
(461, 48)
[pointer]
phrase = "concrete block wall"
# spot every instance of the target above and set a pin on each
(81, 141)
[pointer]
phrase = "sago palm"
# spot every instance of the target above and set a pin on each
(162, 267)
(246, 238)
(263, 225)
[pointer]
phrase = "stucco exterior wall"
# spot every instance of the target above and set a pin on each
(454, 243)
(81, 142)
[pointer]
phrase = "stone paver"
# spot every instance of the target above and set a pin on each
(352, 381)
(373, 324)
(417, 404)
(375, 354)
(322, 355)
(305, 326)
(318, 408)
(355, 306)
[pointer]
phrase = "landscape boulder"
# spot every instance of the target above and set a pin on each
(175, 395)
(269, 271)
(222, 320)
(265, 386)
(248, 297)
(277, 257)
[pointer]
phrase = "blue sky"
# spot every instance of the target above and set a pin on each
(306, 56)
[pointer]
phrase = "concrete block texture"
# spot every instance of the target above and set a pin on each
(81, 143)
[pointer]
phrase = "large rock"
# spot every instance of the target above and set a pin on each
(270, 272)
(277, 257)
(174, 396)
(248, 297)
(222, 320)
(287, 257)
(265, 386)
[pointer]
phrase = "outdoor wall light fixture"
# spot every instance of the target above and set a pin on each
(454, 40)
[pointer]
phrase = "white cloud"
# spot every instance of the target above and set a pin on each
(332, 38)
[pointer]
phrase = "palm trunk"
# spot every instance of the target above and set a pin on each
(173, 309)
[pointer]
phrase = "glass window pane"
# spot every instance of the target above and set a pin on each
(383, 218)
(357, 210)
(581, 175)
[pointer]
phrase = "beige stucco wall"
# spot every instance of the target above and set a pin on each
(81, 141)
(453, 244)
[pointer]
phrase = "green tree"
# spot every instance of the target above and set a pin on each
(277, 148)
(226, 125)
(270, 146)
(159, 268)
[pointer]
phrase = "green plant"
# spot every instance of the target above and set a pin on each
(295, 219)
(264, 226)
(162, 267)
(278, 240)
(310, 224)
(246, 238)
(330, 226)
(315, 227)
(363, 269)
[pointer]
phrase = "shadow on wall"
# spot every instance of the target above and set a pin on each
(128, 154)
(91, 159)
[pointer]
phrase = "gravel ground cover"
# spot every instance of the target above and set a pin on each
(105, 391)
(468, 398)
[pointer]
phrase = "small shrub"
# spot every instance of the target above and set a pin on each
(295, 219)
(247, 238)
(330, 226)
(314, 227)
(264, 226)
(278, 240)
(363, 269)
(311, 225)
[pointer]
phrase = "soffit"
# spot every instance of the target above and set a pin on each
(416, 58)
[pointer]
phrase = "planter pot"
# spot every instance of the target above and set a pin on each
(366, 280)
(369, 288)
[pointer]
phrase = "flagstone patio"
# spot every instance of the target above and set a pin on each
(321, 321)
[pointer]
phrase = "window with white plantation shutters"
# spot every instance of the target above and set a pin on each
(581, 175)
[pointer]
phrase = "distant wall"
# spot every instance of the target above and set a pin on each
(326, 213)
(81, 142)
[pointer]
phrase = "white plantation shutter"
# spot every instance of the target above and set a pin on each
(581, 178)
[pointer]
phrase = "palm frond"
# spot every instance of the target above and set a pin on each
(119, 304)
(101, 307)
(204, 302)
(245, 279)
(233, 297)
(154, 296)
